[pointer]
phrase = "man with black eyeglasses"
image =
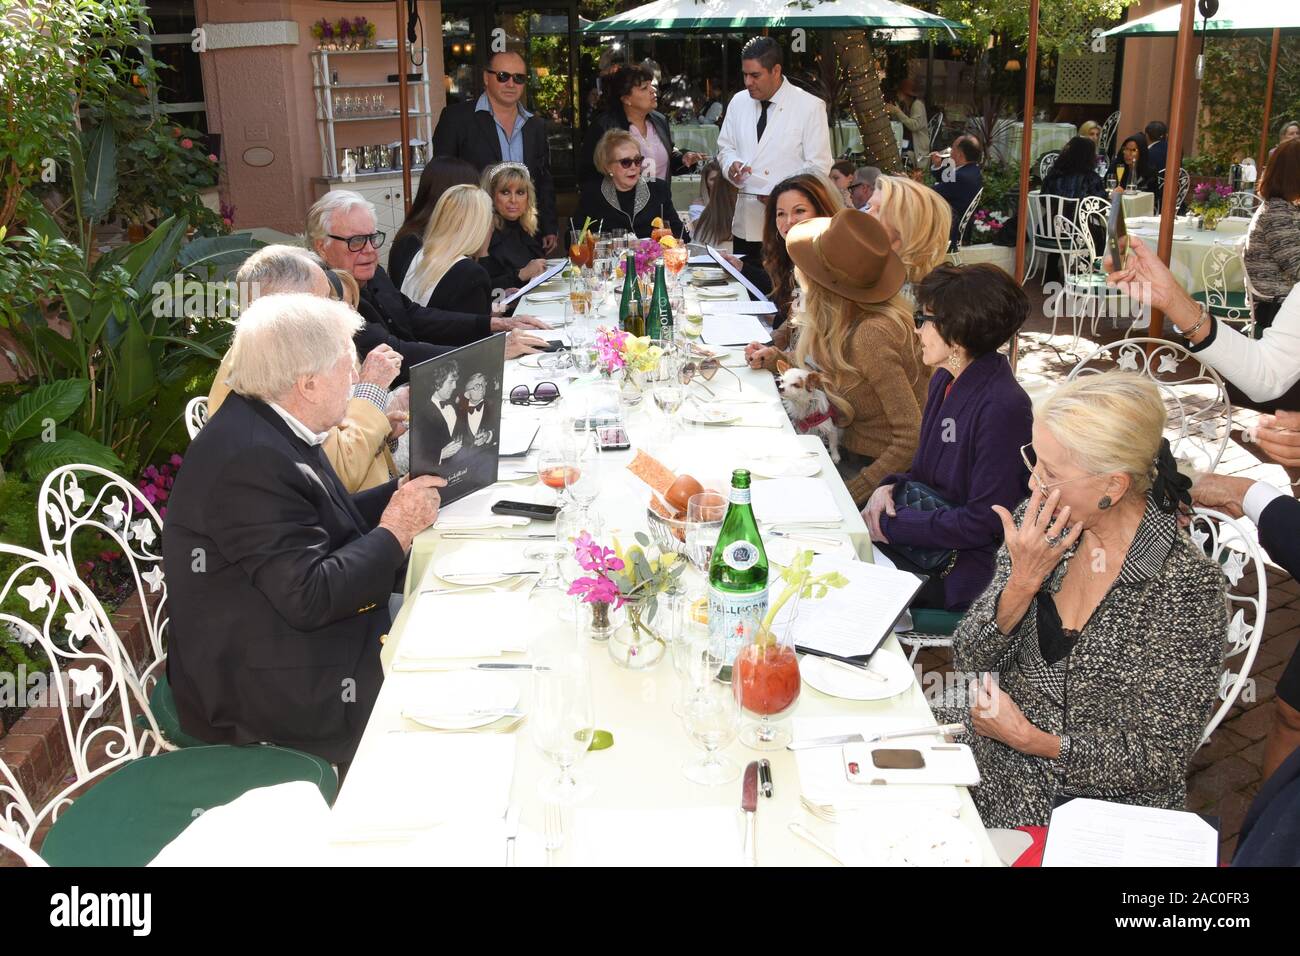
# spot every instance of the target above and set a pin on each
(497, 129)
(341, 228)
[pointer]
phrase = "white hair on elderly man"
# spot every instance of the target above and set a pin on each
(282, 338)
(281, 268)
(323, 210)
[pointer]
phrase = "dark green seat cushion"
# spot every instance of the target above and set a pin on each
(126, 818)
(928, 621)
(1233, 303)
(163, 705)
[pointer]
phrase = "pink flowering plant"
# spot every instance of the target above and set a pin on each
(156, 485)
(645, 253)
(634, 578)
(1209, 198)
(603, 562)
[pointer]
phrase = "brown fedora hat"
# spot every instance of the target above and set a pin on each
(849, 254)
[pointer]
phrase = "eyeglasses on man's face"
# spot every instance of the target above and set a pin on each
(519, 79)
(357, 243)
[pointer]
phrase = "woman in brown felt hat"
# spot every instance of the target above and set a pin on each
(857, 330)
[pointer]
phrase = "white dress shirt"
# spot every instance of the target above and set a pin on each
(1258, 497)
(298, 428)
(795, 138)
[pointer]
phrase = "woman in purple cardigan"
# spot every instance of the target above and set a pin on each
(976, 418)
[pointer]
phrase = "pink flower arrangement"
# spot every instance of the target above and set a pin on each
(611, 348)
(156, 485)
(600, 588)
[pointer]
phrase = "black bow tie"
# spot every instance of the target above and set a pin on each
(474, 409)
(447, 403)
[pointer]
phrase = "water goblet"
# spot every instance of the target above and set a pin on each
(563, 721)
(712, 720)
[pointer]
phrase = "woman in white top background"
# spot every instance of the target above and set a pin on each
(445, 273)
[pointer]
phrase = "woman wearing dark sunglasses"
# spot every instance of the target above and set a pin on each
(623, 199)
(629, 102)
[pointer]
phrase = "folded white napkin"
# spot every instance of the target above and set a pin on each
(795, 501)
(472, 624)
(468, 523)
(695, 836)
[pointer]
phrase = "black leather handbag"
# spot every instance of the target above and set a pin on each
(921, 497)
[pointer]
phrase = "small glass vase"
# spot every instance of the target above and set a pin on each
(630, 389)
(1212, 221)
(602, 622)
(636, 644)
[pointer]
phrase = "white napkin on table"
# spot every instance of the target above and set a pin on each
(694, 836)
(471, 624)
(283, 825)
(794, 501)
(470, 523)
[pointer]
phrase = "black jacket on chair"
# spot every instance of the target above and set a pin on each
(654, 198)
(278, 585)
(471, 134)
(416, 331)
(616, 118)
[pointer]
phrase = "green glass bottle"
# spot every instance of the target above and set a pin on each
(631, 294)
(737, 572)
(659, 321)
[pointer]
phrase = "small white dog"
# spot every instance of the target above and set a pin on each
(805, 400)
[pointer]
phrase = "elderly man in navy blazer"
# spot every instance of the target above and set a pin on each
(496, 128)
(959, 179)
(278, 579)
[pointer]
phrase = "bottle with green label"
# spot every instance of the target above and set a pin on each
(737, 572)
(659, 320)
(631, 293)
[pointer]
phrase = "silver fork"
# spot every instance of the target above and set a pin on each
(553, 827)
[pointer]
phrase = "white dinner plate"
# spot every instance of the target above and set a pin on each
(804, 467)
(708, 272)
(547, 296)
(710, 414)
(456, 569)
(837, 681)
(707, 293)
(906, 838)
(445, 701)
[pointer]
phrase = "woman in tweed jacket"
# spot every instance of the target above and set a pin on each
(1104, 624)
(1273, 243)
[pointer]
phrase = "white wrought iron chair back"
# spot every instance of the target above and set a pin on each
(17, 815)
(1047, 161)
(1243, 203)
(20, 850)
(1199, 411)
(1093, 209)
(1228, 544)
(964, 224)
(1045, 236)
(1184, 184)
(1084, 292)
(934, 127)
(196, 415)
(76, 501)
(89, 680)
(1222, 258)
(1107, 138)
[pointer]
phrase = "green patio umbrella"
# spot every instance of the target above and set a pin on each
(1241, 17)
(701, 15)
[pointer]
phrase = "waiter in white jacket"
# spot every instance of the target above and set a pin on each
(772, 130)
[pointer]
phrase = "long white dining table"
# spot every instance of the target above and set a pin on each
(452, 783)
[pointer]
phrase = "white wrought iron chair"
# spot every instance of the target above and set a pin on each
(1243, 203)
(1084, 293)
(141, 798)
(1227, 543)
(1199, 411)
(1226, 304)
(1046, 162)
(1184, 184)
(1108, 133)
(17, 819)
(196, 415)
(1045, 236)
(934, 127)
(955, 254)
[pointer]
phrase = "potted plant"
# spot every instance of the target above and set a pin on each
(1210, 202)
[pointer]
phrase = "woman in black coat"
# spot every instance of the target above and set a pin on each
(1132, 156)
(622, 199)
(439, 175)
(628, 103)
(515, 250)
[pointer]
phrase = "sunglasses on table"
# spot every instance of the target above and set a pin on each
(631, 162)
(705, 369)
(502, 76)
(543, 394)
(357, 243)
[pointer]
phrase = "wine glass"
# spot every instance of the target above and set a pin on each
(553, 452)
(668, 391)
(765, 678)
(563, 719)
(696, 658)
(704, 514)
(675, 262)
(582, 473)
(712, 719)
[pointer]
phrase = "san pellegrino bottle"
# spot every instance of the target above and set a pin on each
(737, 572)
(659, 321)
(631, 293)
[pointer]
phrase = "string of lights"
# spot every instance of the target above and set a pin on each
(854, 50)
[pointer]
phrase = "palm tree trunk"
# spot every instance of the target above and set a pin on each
(854, 51)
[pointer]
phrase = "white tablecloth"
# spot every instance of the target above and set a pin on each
(1046, 136)
(643, 768)
(1191, 245)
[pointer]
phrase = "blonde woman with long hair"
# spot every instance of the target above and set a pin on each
(445, 273)
(918, 221)
(857, 330)
(515, 252)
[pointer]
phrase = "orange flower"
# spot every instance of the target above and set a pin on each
(187, 143)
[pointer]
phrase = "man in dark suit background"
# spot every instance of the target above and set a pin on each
(958, 180)
(496, 128)
(341, 227)
(278, 579)
(1157, 144)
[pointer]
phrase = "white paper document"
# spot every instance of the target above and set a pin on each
(469, 625)
(852, 620)
(733, 330)
(546, 276)
(722, 307)
(735, 273)
(1087, 832)
(517, 436)
(794, 501)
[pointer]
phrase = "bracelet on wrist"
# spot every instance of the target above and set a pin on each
(1200, 322)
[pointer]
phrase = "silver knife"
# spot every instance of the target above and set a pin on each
(414, 666)
(841, 739)
(487, 536)
(749, 804)
(512, 831)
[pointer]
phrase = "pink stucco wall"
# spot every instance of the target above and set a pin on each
(1147, 81)
(262, 96)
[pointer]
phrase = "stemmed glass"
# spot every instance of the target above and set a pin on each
(712, 720)
(563, 719)
(697, 657)
(669, 392)
(765, 677)
(582, 472)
